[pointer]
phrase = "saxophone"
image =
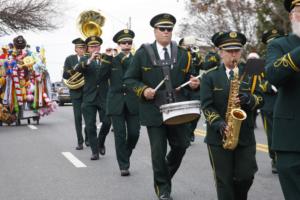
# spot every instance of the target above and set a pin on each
(234, 114)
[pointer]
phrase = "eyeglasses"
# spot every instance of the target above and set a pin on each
(126, 42)
(163, 29)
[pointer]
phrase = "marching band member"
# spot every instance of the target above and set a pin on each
(283, 67)
(122, 101)
(270, 96)
(94, 96)
(233, 168)
(143, 76)
(189, 43)
(76, 94)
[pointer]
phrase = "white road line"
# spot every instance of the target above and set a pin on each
(75, 161)
(32, 127)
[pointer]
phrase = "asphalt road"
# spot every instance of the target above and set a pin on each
(33, 166)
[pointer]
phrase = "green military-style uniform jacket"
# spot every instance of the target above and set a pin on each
(119, 94)
(76, 96)
(95, 91)
(142, 74)
(214, 95)
(122, 107)
(283, 67)
(94, 99)
(70, 62)
(269, 96)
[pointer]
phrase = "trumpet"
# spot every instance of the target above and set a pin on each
(97, 57)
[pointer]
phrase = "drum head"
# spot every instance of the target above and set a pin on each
(181, 119)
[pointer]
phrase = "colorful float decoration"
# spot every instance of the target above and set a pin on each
(25, 84)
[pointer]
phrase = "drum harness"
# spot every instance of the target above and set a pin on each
(169, 95)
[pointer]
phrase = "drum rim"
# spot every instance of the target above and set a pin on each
(180, 103)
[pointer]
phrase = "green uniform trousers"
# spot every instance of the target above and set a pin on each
(288, 166)
(127, 131)
(164, 167)
(78, 120)
(267, 118)
(233, 170)
(90, 114)
(193, 126)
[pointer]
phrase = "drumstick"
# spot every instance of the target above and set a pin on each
(160, 84)
(186, 83)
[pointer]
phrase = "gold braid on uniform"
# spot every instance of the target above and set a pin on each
(123, 59)
(105, 61)
(257, 99)
(139, 90)
(211, 116)
(286, 61)
(146, 69)
(263, 86)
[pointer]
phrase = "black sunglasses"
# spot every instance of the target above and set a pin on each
(163, 29)
(126, 42)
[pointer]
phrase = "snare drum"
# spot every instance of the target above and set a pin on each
(180, 112)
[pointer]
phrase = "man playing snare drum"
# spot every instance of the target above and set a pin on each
(151, 64)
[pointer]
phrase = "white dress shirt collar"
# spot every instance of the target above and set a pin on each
(235, 70)
(161, 52)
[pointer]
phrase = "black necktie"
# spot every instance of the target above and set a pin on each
(167, 56)
(231, 74)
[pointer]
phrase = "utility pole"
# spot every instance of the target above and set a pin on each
(129, 23)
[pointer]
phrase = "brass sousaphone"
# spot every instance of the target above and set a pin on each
(89, 23)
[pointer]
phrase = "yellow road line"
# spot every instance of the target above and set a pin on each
(259, 147)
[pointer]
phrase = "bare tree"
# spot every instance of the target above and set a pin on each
(270, 14)
(207, 17)
(19, 15)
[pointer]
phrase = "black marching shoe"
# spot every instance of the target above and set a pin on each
(95, 157)
(274, 168)
(79, 147)
(101, 146)
(165, 196)
(87, 143)
(125, 172)
(192, 137)
(102, 150)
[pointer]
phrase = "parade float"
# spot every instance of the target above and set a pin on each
(24, 83)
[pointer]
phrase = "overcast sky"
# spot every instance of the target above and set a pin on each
(117, 13)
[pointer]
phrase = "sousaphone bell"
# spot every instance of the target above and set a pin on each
(89, 24)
